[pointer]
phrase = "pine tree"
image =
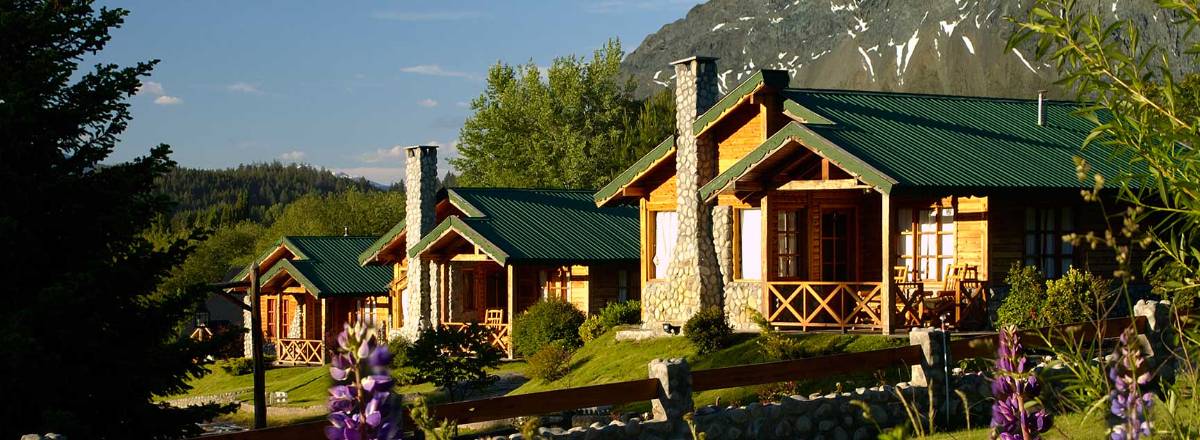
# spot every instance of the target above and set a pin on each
(87, 342)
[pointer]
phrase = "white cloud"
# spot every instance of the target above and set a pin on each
(383, 154)
(436, 70)
(293, 156)
(386, 175)
(427, 102)
(150, 87)
(242, 87)
(425, 16)
(168, 100)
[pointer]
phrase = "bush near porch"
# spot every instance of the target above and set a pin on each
(606, 360)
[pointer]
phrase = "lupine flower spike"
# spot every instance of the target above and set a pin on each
(1015, 390)
(1129, 399)
(361, 404)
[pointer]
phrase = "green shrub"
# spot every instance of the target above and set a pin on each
(236, 366)
(1025, 297)
(401, 369)
(1077, 296)
(546, 322)
(1033, 301)
(612, 315)
(454, 358)
(708, 330)
(550, 363)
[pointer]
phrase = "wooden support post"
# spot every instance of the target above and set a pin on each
(766, 257)
(324, 331)
(512, 281)
(256, 341)
(888, 304)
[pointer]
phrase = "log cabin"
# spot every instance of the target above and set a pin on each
(310, 288)
(852, 210)
(484, 255)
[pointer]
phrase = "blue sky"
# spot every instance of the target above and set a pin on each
(340, 84)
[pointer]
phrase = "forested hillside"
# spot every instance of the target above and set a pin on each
(256, 192)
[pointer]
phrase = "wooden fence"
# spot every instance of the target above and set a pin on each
(505, 407)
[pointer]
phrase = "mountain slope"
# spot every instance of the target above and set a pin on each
(948, 46)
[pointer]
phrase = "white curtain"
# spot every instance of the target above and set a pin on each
(666, 232)
(751, 242)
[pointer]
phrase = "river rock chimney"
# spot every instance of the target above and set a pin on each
(420, 187)
(693, 272)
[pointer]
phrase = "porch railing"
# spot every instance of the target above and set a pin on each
(825, 304)
(855, 305)
(498, 334)
(300, 352)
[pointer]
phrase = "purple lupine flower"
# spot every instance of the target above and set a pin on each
(361, 403)
(1014, 388)
(1129, 402)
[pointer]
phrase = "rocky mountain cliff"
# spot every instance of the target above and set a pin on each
(926, 46)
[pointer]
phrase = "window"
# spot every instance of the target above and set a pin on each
(557, 282)
(285, 321)
(622, 285)
(789, 237)
(1044, 245)
(468, 294)
(926, 241)
(749, 224)
(666, 232)
(270, 324)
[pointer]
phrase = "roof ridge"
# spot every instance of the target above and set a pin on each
(506, 188)
(928, 95)
(331, 236)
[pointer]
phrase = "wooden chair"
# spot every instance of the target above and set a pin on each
(900, 273)
(493, 317)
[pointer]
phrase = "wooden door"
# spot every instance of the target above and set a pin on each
(837, 244)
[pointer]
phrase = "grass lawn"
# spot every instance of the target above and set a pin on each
(1067, 426)
(606, 360)
(306, 386)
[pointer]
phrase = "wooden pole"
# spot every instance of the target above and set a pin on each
(256, 340)
(512, 282)
(888, 304)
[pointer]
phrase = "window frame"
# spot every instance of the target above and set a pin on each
(800, 239)
(738, 245)
(1040, 235)
(652, 242)
(915, 235)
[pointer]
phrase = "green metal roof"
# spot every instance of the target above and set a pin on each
(766, 78)
(665, 149)
(371, 254)
(330, 266)
(794, 131)
(542, 225)
(957, 141)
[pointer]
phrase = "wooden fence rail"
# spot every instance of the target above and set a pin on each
(504, 407)
(808, 368)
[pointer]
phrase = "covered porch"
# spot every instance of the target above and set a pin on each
(834, 247)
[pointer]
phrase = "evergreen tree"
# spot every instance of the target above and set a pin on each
(87, 341)
(577, 128)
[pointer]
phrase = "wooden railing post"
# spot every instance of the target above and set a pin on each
(674, 394)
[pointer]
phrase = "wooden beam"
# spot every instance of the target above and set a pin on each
(512, 282)
(888, 305)
(296, 289)
(633, 191)
(256, 345)
(824, 169)
(767, 263)
(470, 257)
(817, 185)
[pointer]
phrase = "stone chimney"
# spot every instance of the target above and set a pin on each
(420, 186)
(694, 273)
